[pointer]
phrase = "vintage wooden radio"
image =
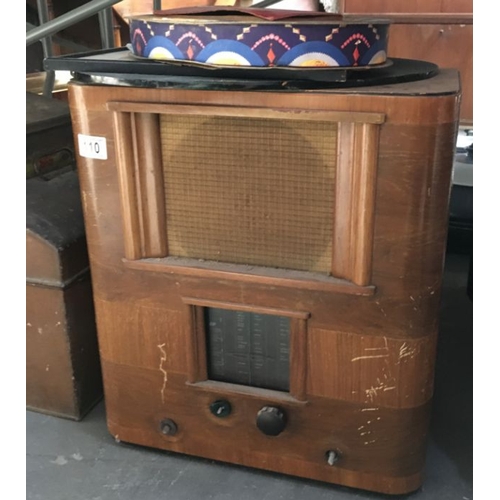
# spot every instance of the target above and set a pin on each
(266, 256)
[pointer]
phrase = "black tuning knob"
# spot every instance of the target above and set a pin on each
(271, 420)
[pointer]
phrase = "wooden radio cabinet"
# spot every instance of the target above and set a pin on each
(267, 269)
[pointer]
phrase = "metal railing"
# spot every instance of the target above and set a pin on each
(43, 16)
(48, 28)
(64, 21)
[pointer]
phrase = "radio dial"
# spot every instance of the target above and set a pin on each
(271, 420)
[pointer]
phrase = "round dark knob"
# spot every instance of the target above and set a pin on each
(220, 408)
(271, 420)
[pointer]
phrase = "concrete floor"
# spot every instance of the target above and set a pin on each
(81, 461)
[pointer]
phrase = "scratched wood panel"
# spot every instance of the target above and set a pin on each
(139, 335)
(372, 370)
(412, 216)
(377, 449)
(100, 199)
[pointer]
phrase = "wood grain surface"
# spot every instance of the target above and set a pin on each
(406, 7)
(447, 45)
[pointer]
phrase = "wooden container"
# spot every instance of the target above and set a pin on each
(63, 375)
(267, 270)
(49, 138)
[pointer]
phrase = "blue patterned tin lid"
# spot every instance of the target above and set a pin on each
(248, 37)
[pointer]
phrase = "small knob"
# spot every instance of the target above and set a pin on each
(168, 427)
(332, 457)
(220, 408)
(271, 420)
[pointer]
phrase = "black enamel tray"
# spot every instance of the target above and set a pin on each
(119, 67)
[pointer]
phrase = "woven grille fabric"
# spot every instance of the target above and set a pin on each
(250, 190)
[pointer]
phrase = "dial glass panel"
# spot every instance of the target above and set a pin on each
(248, 348)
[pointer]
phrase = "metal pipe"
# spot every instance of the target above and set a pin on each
(68, 19)
(106, 28)
(264, 3)
(69, 44)
(48, 84)
(43, 17)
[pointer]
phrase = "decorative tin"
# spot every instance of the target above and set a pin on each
(249, 37)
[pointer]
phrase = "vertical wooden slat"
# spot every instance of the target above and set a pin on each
(192, 347)
(366, 155)
(354, 202)
(201, 341)
(196, 346)
(124, 151)
(152, 196)
(341, 256)
(137, 183)
(298, 358)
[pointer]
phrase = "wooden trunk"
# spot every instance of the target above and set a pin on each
(326, 209)
(49, 138)
(63, 375)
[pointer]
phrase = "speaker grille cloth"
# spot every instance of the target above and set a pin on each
(250, 190)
